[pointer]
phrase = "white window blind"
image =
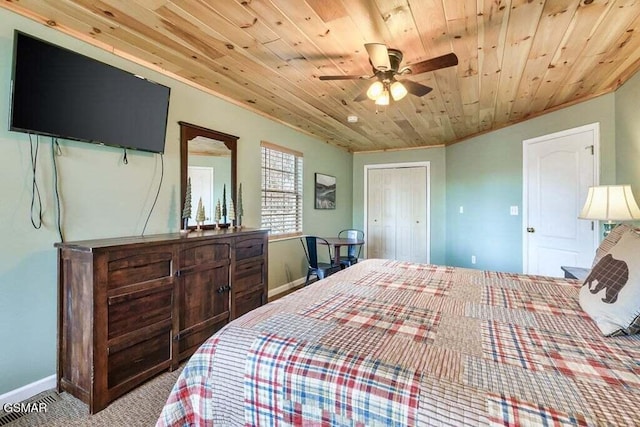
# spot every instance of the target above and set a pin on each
(281, 190)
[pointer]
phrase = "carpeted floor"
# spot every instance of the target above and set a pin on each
(140, 407)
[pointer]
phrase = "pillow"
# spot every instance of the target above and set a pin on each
(609, 241)
(610, 294)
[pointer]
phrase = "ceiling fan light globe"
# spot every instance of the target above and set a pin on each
(398, 91)
(383, 99)
(375, 90)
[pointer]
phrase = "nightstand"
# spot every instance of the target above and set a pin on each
(575, 272)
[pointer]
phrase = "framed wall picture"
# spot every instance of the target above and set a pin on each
(325, 191)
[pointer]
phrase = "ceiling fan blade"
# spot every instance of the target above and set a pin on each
(444, 61)
(362, 96)
(343, 77)
(379, 56)
(416, 89)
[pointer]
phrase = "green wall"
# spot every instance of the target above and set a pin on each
(102, 197)
(628, 135)
(484, 175)
(437, 221)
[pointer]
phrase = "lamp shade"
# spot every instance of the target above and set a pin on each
(611, 203)
(383, 99)
(375, 90)
(398, 91)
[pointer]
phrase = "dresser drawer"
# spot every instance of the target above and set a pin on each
(138, 309)
(129, 267)
(249, 247)
(247, 302)
(129, 359)
(248, 276)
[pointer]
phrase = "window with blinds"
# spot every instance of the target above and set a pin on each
(281, 190)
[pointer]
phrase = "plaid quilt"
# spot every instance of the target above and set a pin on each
(387, 343)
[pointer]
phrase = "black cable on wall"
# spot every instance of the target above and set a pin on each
(157, 193)
(36, 200)
(56, 151)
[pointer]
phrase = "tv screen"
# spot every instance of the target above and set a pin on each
(60, 93)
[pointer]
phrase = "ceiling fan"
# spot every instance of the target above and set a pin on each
(386, 66)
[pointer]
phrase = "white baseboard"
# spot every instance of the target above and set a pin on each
(27, 391)
(286, 287)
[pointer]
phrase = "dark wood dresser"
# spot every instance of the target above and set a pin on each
(132, 307)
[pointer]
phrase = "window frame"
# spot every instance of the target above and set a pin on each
(297, 176)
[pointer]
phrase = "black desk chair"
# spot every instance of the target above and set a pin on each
(353, 251)
(320, 269)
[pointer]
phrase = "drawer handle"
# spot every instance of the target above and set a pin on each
(223, 289)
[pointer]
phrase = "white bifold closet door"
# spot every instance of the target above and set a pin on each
(397, 216)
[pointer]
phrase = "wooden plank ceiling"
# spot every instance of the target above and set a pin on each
(517, 58)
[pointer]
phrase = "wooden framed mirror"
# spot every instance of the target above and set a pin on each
(203, 151)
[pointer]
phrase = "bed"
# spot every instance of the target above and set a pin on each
(388, 343)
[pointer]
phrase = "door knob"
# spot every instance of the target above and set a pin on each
(531, 229)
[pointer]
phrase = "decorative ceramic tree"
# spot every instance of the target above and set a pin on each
(218, 215)
(232, 213)
(224, 203)
(200, 215)
(239, 208)
(186, 210)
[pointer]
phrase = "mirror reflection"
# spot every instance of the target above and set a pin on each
(208, 157)
(209, 168)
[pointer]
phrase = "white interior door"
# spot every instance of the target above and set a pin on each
(559, 169)
(411, 231)
(420, 221)
(389, 214)
(397, 213)
(373, 238)
(201, 187)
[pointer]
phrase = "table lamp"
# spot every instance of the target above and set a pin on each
(611, 203)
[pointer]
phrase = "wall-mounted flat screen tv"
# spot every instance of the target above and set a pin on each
(60, 93)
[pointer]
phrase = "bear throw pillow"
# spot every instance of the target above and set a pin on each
(610, 294)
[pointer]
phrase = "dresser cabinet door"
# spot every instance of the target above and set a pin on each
(203, 293)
